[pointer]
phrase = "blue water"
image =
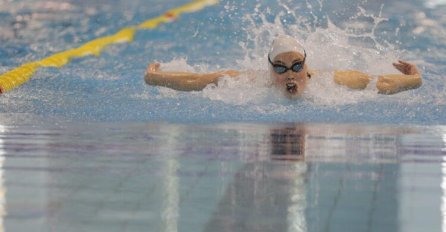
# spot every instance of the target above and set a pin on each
(225, 177)
(90, 147)
(234, 34)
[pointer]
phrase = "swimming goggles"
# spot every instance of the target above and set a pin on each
(281, 69)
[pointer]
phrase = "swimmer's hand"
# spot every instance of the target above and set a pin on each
(352, 79)
(406, 68)
(152, 68)
(395, 83)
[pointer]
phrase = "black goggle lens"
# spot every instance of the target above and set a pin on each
(280, 69)
(296, 67)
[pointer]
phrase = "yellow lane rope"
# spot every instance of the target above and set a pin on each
(23, 73)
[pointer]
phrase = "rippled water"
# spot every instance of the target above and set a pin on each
(233, 34)
(226, 177)
(90, 147)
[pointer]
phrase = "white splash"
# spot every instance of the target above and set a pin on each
(351, 46)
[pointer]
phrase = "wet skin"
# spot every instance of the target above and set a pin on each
(291, 84)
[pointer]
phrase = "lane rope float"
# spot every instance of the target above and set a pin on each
(23, 73)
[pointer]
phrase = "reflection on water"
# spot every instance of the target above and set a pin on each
(435, 3)
(170, 205)
(2, 187)
(228, 177)
(268, 195)
(288, 143)
(443, 184)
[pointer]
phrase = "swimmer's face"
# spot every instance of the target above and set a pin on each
(291, 83)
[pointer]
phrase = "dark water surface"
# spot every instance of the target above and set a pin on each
(224, 177)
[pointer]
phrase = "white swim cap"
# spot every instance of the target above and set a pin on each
(284, 43)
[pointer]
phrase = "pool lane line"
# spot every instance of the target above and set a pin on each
(23, 73)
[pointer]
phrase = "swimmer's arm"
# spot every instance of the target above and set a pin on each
(183, 81)
(352, 79)
(394, 83)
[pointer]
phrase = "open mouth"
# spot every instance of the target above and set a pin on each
(291, 88)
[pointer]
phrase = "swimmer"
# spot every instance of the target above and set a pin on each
(289, 74)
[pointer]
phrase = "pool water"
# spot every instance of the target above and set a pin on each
(367, 36)
(225, 177)
(90, 147)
